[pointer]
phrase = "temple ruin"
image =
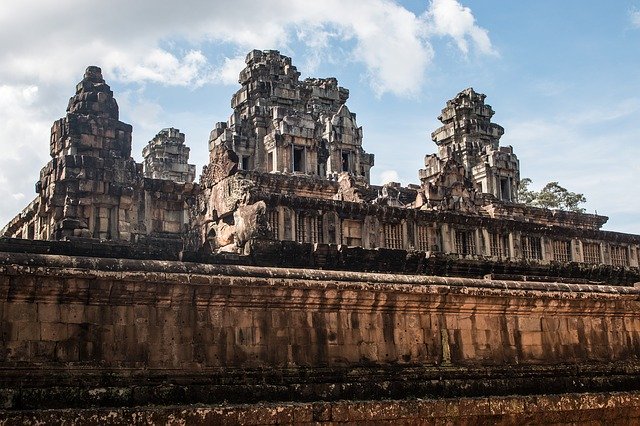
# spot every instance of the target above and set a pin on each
(283, 275)
(289, 165)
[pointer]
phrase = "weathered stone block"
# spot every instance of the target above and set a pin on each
(53, 331)
(25, 331)
(48, 312)
(25, 312)
(526, 324)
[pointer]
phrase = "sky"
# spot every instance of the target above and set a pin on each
(562, 76)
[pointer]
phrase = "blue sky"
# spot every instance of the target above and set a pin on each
(562, 77)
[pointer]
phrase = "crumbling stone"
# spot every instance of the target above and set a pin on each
(166, 156)
(281, 124)
(471, 140)
(80, 189)
(223, 162)
(250, 222)
(287, 185)
(92, 188)
(296, 147)
(79, 331)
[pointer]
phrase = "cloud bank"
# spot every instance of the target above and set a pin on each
(145, 40)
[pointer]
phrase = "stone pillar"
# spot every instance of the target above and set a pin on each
(515, 240)
(634, 256)
(484, 234)
(546, 249)
(445, 233)
(577, 251)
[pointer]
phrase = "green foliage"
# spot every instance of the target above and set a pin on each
(552, 196)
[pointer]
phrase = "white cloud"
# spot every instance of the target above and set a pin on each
(231, 67)
(634, 16)
(450, 18)
(23, 120)
(318, 38)
(389, 176)
(391, 41)
(587, 151)
(147, 116)
(394, 49)
(144, 113)
(160, 66)
(24, 126)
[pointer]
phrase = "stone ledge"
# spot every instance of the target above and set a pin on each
(326, 257)
(184, 272)
(569, 408)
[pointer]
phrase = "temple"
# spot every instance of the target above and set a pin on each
(289, 165)
(283, 287)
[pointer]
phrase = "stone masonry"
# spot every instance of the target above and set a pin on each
(80, 331)
(91, 171)
(166, 157)
(286, 281)
(465, 206)
(614, 408)
(469, 139)
(281, 124)
(92, 188)
(289, 166)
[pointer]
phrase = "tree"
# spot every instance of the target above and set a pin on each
(552, 196)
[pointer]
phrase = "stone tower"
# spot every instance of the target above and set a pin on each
(281, 124)
(166, 157)
(469, 138)
(91, 173)
(92, 188)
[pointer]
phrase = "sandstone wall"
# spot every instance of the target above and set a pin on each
(593, 409)
(80, 330)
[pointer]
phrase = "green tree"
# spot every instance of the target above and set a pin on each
(552, 196)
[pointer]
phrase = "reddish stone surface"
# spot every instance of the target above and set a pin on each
(173, 332)
(594, 409)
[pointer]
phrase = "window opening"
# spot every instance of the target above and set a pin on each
(423, 238)
(465, 242)
(270, 164)
(619, 256)
(245, 162)
(393, 236)
(591, 253)
(273, 222)
(345, 161)
(562, 251)
(298, 159)
(532, 248)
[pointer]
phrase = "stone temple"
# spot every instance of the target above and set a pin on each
(289, 165)
(283, 275)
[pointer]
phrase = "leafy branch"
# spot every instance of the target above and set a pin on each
(552, 196)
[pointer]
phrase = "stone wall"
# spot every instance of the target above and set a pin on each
(594, 409)
(79, 331)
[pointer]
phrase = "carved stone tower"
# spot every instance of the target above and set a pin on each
(281, 124)
(166, 157)
(91, 172)
(470, 139)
